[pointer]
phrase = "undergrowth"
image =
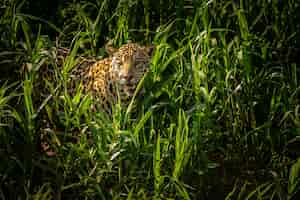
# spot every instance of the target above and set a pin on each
(219, 118)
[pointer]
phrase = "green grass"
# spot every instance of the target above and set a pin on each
(219, 118)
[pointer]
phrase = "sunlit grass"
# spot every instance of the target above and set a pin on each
(218, 118)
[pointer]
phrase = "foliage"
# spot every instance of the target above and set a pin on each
(219, 118)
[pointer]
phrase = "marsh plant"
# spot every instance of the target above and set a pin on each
(219, 117)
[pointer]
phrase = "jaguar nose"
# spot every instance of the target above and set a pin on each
(127, 77)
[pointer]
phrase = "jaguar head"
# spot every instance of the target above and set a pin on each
(130, 68)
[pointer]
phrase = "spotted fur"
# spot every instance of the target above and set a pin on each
(120, 73)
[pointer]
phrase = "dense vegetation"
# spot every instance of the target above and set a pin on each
(220, 117)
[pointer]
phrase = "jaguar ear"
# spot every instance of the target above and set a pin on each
(109, 48)
(150, 50)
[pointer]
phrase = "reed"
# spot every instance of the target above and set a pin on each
(219, 118)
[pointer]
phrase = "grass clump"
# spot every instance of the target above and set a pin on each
(219, 118)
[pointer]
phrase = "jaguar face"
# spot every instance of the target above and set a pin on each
(132, 67)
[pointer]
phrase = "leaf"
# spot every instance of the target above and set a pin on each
(294, 179)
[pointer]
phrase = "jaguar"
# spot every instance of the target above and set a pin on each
(109, 79)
